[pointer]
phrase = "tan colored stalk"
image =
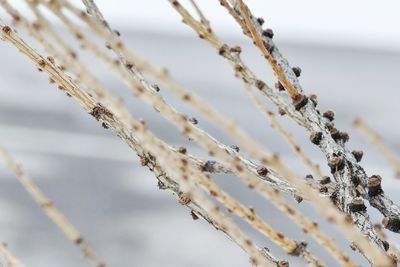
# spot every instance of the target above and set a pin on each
(105, 115)
(380, 145)
(8, 257)
(49, 209)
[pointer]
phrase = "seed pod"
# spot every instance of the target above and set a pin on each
(268, 33)
(330, 115)
(299, 101)
(260, 21)
(392, 224)
(325, 180)
(358, 154)
(316, 138)
(374, 185)
(262, 171)
(297, 71)
(357, 205)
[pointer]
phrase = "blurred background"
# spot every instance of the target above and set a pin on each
(349, 52)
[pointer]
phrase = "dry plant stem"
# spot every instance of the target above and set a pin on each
(76, 67)
(223, 152)
(314, 122)
(311, 119)
(377, 140)
(8, 257)
(379, 256)
(217, 118)
(179, 168)
(314, 168)
(289, 246)
(49, 209)
(89, 104)
(279, 71)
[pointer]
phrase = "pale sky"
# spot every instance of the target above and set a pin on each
(359, 23)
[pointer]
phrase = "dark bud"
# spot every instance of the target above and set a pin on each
(330, 115)
(262, 171)
(236, 49)
(156, 87)
(268, 33)
(279, 86)
(270, 48)
(283, 263)
(281, 111)
(309, 176)
(316, 138)
(161, 185)
(336, 135)
(392, 224)
(355, 180)
(374, 185)
(182, 150)
(323, 189)
(336, 163)
(260, 84)
(223, 49)
(358, 154)
(6, 29)
(329, 125)
(260, 21)
(117, 32)
(344, 136)
(236, 148)
(299, 101)
(194, 215)
(314, 99)
(297, 71)
(193, 120)
(325, 180)
(298, 199)
(357, 205)
(385, 245)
